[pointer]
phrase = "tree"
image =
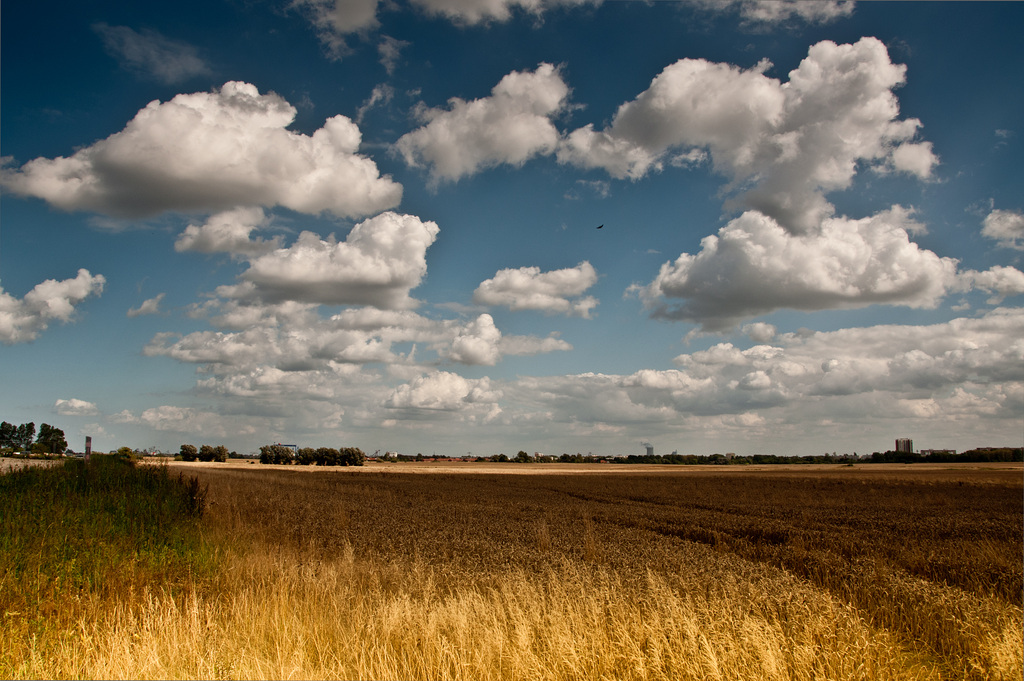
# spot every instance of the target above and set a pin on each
(351, 456)
(24, 436)
(327, 456)
(52, 439)
(8, 431)
(220, 453)
(276, 454)
(188, 453)
(522, 457)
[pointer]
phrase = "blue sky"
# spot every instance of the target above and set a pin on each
(375, 224)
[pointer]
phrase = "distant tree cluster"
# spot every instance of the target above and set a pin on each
(204, 453)
(23, 439)
(984, 454)
(309, 456)
(980, 455)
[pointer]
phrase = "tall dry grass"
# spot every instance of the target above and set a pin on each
(278, 618)
(364, 576)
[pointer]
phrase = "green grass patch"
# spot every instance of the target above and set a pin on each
(78, 534)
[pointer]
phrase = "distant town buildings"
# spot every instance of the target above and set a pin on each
(904, 444)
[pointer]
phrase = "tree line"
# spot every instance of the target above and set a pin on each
(204, 453)
(309, 456)
(979, 455)
(23, 438)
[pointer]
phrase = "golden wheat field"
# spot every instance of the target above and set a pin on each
(601, 572)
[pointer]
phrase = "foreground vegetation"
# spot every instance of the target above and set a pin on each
(696, 575)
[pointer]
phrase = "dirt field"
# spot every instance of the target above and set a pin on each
(9, 464)
(1005, 473)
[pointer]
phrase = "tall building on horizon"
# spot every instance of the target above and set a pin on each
(904, 444)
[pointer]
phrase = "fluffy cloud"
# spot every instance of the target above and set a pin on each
(382, 259)
(998, 280)
(228, 232)
(447, 392)
(786, 144)
(150, 306)
(477, 343)
(211, 151)
(963, 369)
(754, 266)
(1006, 227)
(481, 343)
(759, 332)
(907, 361)
(270, 340)
(75, 407)
(150, 53)
(511, 126)
(527, 288)
(23, 320)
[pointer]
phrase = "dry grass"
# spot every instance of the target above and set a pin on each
(359, 575)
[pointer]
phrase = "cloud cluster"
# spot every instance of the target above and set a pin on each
(754, 266)
(963, 369)
(23, 320)
(510, 126)
(786, 144)
(527, 288)
(1006, 227)
(211, 151)
(358, 336)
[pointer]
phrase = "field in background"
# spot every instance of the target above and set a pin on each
(866, 572)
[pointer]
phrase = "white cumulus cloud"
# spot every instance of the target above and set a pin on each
(75, 407)
(23, 320)
(477, 342)
(785, 144)
(480, 342)
(998, 280)
(1006, 227)
(754, 266)
(510, 126)
(228, 232)
(527, 288)
(211, 151)
(445, 391)
(964, 369)
(382, 259)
